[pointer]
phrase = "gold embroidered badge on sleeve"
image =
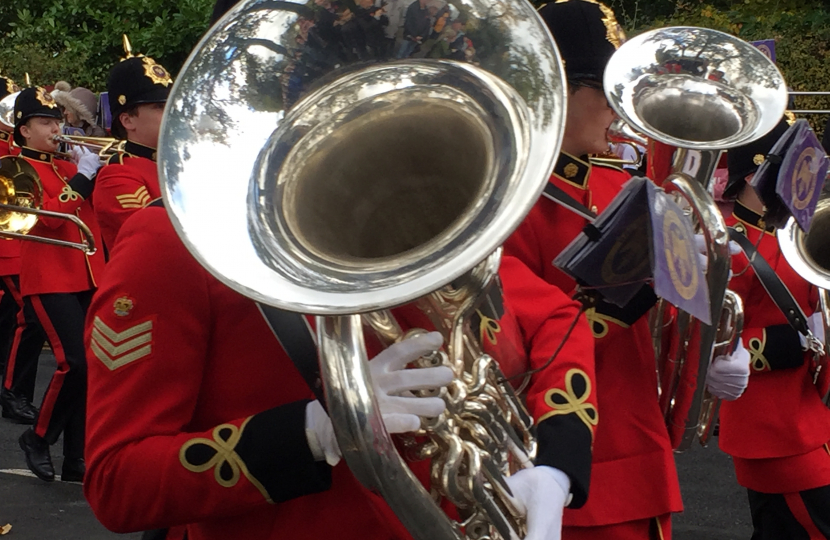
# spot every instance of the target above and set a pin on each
(117, 349)
(488, 328)
(200, 454)
(139, 199)
(68, 194)
(569, 402)
(599, 323)
(756, 353)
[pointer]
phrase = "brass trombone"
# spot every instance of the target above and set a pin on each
(21, 198)
(105, 147)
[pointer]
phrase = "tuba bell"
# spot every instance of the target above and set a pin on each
(702, 91)
(807, 253)
(361, 183)
(21, 197)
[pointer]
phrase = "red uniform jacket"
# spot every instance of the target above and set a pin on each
(47, 268)
(777, 430)
(9, 248)
(5, 143)
(218, 441)
(128, 182)
(634, 475)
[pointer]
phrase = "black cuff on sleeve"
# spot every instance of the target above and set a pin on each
(783, 348)
(275, 451)
(633, 310)
(565, 443)
(82, 185)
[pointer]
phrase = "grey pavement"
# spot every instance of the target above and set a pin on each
(715, 506)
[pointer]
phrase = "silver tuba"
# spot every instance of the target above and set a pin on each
(702, 91)
(308, 168)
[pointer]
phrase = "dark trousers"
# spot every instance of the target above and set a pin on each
(8, 320)
(795, 516)
(64, 405)
(26, 344)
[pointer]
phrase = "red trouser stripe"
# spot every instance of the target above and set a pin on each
(18, 331)
(56, 383)
(796, 505)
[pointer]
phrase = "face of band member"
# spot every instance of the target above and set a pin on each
(588, 119)
(143, 127)
(40, 132)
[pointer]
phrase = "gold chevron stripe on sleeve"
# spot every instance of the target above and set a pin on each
(134, 200)
(117, 349)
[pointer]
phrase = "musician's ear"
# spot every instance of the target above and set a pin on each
(126, 118)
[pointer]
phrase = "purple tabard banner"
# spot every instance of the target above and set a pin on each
(802, 176)
(766, 46)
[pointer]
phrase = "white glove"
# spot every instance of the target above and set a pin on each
(392, 382)
(389, 379)
(541, 493)
(816, 325)
(87, 162)
(320, 434)
(728, 375)
(703, 260)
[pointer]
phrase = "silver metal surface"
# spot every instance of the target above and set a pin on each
(7, 110)
(695, 88)
(807, 253)
(267, 126)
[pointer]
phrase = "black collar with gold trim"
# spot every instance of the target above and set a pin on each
(573, 170)
(751, 218)
(139, 150)
(5, 136)
(36, 155)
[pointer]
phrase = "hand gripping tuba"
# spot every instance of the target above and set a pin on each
(307, 170)
(701, 91)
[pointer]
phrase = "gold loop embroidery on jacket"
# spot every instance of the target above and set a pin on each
(756, 353)
(488, 328)
(200, 455)
(573, 400)
(68, 194)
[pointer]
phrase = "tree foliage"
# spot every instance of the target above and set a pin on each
(80, 40)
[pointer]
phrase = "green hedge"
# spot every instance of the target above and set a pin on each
(80, 40)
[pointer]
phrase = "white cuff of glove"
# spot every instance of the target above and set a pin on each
(320, 434)
(541, 493)
(728, 375)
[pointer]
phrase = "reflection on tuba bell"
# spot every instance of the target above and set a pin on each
(701, 91)
(21, 196)
(7, 110)
(365, 184)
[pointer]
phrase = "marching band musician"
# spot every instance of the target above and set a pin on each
(635, 485)
(138, 88)
(22, 335)
(778, 432)
(57, 283)
(231, 419)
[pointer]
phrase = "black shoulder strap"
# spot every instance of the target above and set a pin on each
(776, 288)
(557, 195)
(292, 331)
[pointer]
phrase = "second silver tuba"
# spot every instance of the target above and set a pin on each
(702, 91)
(311, 167)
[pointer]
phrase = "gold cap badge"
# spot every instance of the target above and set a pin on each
(155, 72)
(758, 159)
